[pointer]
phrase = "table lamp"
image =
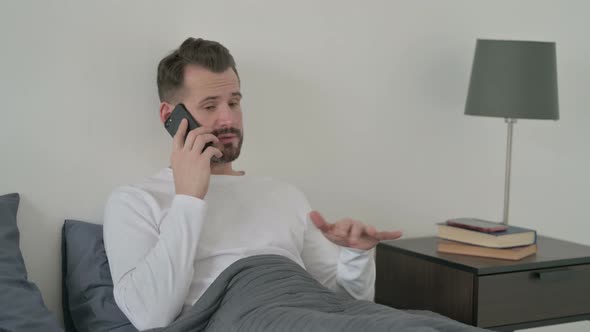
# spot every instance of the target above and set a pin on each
(513, 80)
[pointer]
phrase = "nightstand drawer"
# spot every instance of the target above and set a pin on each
(511, 298)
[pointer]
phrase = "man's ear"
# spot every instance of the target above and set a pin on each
(165, 110)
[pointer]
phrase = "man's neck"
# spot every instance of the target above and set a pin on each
(224, 169)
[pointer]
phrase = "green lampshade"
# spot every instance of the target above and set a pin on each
(513, 79)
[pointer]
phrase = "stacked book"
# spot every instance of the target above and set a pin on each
(476, 237)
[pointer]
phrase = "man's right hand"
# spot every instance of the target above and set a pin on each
(191, 167)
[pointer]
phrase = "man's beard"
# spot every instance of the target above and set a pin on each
(229, 150)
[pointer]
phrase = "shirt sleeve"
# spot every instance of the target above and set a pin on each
(344, 270)
(151, 260)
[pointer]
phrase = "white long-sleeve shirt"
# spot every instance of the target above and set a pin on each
(165, 250)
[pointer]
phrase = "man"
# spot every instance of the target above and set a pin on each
(169, 237)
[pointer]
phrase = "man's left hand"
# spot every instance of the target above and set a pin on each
(351, 233)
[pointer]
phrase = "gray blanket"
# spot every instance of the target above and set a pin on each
(272, 293)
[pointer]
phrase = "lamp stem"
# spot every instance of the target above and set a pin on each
(510, 123)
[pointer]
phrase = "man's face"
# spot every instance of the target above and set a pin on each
(214, 100)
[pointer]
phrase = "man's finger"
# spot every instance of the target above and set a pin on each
(382, 236)
(201, 141)
(320, 222)
(370, 231)
(212, 151)
(178, 141)
(342, 228)
(355, 232)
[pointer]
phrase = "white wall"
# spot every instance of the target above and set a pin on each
(358, 103)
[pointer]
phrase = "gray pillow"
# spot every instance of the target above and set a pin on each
(21, 306)
(88, 300)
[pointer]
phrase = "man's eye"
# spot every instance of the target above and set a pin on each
(210, 108)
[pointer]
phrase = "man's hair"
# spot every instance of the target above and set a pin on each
(208, 54)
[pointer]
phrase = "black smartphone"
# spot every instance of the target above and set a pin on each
(180, 112)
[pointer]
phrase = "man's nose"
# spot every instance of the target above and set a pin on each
(225, 116)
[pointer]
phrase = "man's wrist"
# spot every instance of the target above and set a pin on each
(357, 251)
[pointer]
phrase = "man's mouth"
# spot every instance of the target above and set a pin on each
(226, 138)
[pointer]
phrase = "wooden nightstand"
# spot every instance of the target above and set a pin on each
(550, 287)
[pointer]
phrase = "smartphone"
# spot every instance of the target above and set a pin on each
(477, 225)
(180, 112)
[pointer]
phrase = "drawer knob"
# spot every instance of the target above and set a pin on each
(554, 275)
